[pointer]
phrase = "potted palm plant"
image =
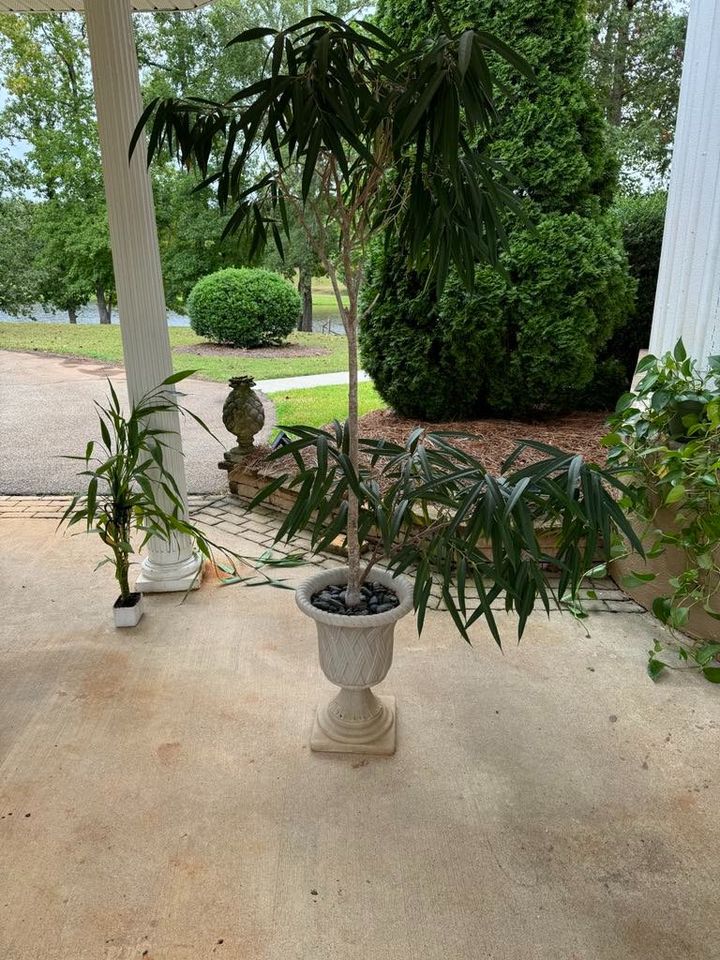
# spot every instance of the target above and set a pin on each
(131, 496)
(354, 137)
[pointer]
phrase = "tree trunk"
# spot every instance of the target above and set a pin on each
(104, 306)
(620, 62)
(606, 51)
(352, 596)
(349, 317)
(72, 314)
(122, 573)
(305, 290)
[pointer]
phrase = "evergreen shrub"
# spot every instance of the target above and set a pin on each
(244, 307)
(525, 341)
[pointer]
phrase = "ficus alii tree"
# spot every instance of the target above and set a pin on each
(350, 134)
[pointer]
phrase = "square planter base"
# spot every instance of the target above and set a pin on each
(384, 746)
(129, 616)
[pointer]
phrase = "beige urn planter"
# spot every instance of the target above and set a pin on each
(355, 654)
(670, 563)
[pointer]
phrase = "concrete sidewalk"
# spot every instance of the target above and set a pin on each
(47, 409)
(303, 383)
(158, 798)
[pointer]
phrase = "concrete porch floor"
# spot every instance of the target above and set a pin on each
(158, 798)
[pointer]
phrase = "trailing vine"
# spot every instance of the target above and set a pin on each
(666, 433)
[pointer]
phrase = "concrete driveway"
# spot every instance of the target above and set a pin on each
(46, 410)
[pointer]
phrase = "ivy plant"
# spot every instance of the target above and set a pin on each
(665, 435)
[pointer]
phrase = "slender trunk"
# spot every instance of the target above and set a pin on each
(353, 539)
(104, 306)
(605, 52)
(72, 314)
(617, 91)
(349, 316)
(122, 572)
(305, 291)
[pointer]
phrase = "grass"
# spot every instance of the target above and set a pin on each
(317, 406)
(103, 343)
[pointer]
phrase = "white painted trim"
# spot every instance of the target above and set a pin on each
(687, 302)
(136, 254)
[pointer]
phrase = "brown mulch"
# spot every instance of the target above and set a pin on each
(283, 352)
(496, 439)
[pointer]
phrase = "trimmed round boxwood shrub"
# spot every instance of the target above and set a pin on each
(244, 307)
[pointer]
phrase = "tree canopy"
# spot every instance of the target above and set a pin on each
(635, 64)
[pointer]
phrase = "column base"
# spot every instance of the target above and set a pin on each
(170, 577)
(377, 740)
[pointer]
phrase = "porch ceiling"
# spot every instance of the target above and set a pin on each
(66, 6)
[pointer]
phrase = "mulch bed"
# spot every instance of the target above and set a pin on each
(284, 352)
(496, 439)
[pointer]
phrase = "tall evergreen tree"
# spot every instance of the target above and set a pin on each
(527, 341)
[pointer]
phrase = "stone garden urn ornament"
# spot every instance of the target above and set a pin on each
(355, 654)
(243, 416)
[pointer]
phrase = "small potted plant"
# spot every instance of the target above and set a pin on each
(131, 497)
(665, 436)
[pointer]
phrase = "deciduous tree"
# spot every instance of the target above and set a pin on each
(635, 65)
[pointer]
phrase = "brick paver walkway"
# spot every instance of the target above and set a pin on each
(233, 522)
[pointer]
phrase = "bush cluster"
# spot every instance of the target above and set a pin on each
(427, 357)
(526, 341)
(520, 343)
(642, 219)
(244, 307)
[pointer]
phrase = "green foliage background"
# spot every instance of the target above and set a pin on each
(534, 334)
(642, 219)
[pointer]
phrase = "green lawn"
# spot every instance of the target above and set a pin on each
(103, 343)
(320, 405)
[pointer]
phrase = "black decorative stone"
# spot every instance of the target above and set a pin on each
(374, 598)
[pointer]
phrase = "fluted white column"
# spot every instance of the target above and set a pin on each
(135, 254)
(687, 302)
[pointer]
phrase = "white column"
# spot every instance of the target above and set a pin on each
(136, 255)
(687, 302)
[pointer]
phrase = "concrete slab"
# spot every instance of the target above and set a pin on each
(47, 410)
(158, 797)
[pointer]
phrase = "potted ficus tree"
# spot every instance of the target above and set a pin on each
(131, 496)
(356, 137)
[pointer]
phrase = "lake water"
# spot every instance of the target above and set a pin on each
(89, 314)
(86, 314)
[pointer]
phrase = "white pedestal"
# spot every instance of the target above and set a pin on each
(170, 577)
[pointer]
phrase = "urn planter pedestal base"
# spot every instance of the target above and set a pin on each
(374, 735)
(355, 654)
